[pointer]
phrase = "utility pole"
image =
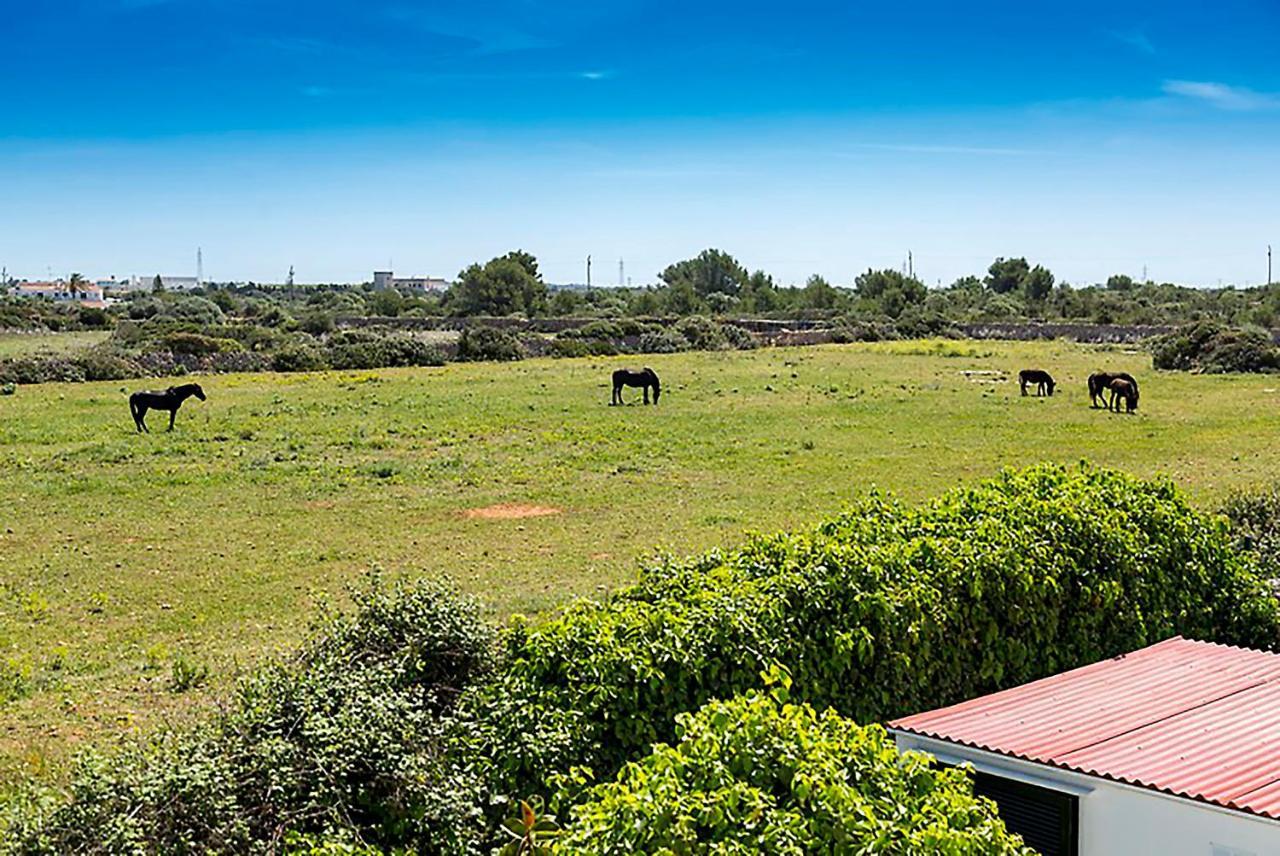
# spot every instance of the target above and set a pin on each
(1144, 274)
(1268, 264)
(290, 281)
(911, 265)
(588, 271)
(621, 273)
(199, 268)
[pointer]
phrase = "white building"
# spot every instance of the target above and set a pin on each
(386, 279)
(86, 293)
(1173, 750)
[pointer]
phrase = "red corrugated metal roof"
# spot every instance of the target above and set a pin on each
(1189, 718)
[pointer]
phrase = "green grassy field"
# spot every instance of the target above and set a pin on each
(120, 552)
(22, 344)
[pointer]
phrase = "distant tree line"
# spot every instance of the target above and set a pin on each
(713, 283)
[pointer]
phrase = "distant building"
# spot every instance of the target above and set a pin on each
(86, 293)
(146, 283)
(386, 279)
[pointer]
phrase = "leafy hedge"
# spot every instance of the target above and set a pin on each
(396, 727)
(880, 611)
(1255, 523)
(752, 775)
(1213, 347)
(345, 736)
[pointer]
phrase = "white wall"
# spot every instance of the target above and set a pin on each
(1123, 820)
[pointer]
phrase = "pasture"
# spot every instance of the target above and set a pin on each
(25, 344)
(123, 553)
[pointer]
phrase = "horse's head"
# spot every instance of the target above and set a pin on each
(197, 391)
(1050, 386)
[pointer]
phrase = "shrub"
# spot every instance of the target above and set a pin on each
(663, 342)
(346, 735)
(1210, 346)
(196, 345)
(42, 368)
(93, 318)
(8, 389)
(489, 343)
(580, 348)
(702, 333)
(880, 611)
(366, 349)
(299, 357)
(754, 776)
(103, 363)
(738, 338)
(1255, 523)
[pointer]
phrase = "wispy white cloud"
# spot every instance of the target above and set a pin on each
(1222, 95)
(1136, 39)
(602, 74)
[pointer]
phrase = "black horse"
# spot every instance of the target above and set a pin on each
(1042, 380)
(171, 399)
(1100, 383)
(644, 378)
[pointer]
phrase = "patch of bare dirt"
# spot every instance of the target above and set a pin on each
(510, 511)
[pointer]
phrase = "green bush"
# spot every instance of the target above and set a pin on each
(299, 357)
(344, 736)
(663, 342)
(1255, 523)
(702, 333)
(104, 363)
(1213, 347)
(755, 776)
(881, 611)
(367, 349)
(489, 343)
(196, 345)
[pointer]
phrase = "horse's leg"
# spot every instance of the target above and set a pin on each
(142, 418)
(646, 393)
(172, 413)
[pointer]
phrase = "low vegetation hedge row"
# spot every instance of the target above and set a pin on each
(759, 775)
(404, 724)
(883, 610)
(165, 347)
(1214, 348)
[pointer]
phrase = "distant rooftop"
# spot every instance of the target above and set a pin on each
(1189, 718)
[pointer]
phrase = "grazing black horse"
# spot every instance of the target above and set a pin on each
(1100, 382)
(171, 399)
(1123, 390)
(1042, 380)
(645, 378)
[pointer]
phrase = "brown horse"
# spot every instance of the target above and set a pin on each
(1100, 382)
(646, 378)
(1126, 390)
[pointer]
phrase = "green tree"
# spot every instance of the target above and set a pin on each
(681, 298)
(503, 286)
(1006, 275)
(712, 271)
(1120, 282)
(1038, 282)
(76, 284)
(385, 303)
(157, 285)
(819, 294)
(759, 293)
(890, 291)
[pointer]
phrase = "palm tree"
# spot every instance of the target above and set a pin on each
(75, 285)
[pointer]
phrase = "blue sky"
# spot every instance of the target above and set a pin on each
(803, 137)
